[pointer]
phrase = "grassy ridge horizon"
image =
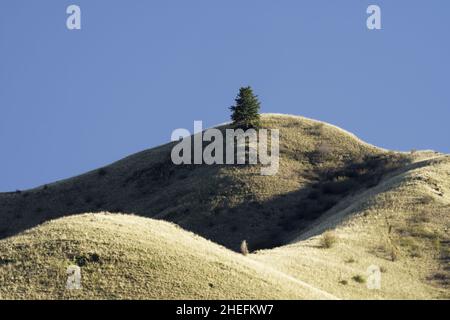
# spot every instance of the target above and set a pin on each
(385, 208)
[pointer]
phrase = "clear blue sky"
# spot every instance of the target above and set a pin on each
(71, 101)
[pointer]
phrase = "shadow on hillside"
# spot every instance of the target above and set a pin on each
(198, 198)
(287, 215)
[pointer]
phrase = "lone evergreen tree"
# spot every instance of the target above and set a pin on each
(246, 110)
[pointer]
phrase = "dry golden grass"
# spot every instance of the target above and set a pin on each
(387, 209)
(374, 226)
(223, 203)
(134, 258)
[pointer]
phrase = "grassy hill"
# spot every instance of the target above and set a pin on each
(129, 257)
(402, 226)
(319, 165)
(384, 208)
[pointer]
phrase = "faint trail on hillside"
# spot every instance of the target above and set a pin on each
(317, 291)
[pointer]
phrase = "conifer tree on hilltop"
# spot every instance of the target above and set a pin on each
(246, 110)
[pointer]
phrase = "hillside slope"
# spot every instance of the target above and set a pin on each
(129, 257)
(386, 209)
(402, 226)
(320, 165)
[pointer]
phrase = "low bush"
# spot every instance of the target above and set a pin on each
(359, 278)
(328, 239)
(244, 248)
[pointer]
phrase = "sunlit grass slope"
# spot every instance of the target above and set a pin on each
(129, 257)
(402, 226)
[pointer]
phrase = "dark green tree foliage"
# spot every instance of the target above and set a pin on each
(246, 110)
